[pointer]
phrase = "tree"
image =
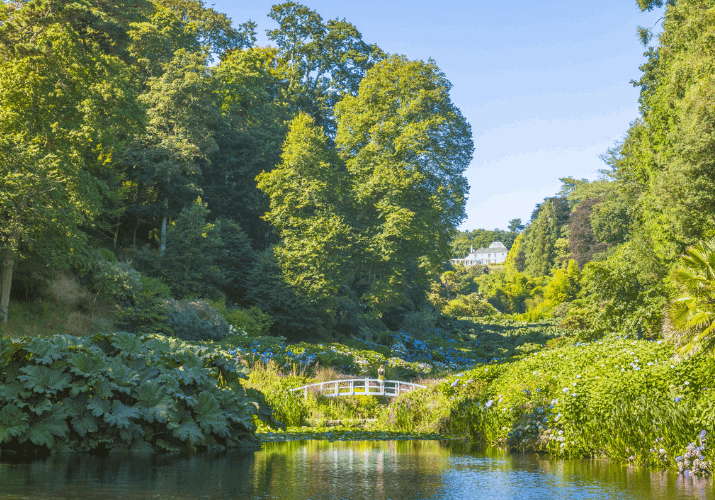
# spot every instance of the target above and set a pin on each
(516, 258)
(194, 250)
(324, 60)
(249, 136)
(541, 241)
(583, 244)
(65, 109)
(406, 147)
(165, 161)
(309, 194)
(693, 311)
(515, 226)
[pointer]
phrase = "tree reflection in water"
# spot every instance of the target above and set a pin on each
(409, 470)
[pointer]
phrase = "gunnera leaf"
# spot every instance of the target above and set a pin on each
(121, 415)
(155, 402)
(86, 364)
(99, 406)
(209, 415)
(43, 379)
(13, 423)
(12, 392)
(122, 375)
(41, 405)
(85, 422)
(8, 348)
(189, 431)
(48, 426)
(43, 351)
(128, 343)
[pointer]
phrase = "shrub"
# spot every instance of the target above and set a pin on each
(120, 392)
(148, 312)
(112, 279)
(252, 321)
(196, 320)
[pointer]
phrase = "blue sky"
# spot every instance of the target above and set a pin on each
(544, 84)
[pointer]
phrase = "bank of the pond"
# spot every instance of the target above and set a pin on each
(340, 433)
(627, 400)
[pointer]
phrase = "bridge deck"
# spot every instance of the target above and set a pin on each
(359, 387)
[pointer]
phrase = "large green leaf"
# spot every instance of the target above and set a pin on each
(122, 375)
(87, 364)
(155, 402)
(44, 379)
(43, 351)
(128, 343)
(13, 422)
(99, 406)
(189, 431)
(85, 422)
(121, 415)
(209, 415)
(13, 392)
(46, 427)
(40, 406)
(8, 348)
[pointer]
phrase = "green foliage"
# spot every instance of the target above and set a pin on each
(148, 312)
(626, 400)
(324, 61)
(118, 392)
(509, 292)
(196, 320)
(516, 258)
(470, 305)
(692, 310)
(626, 292)
(541, 240)
(405, 206)
(190, 264)
(251, 322)
(115, 280)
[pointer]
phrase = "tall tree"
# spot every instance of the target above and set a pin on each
(324, 60)
(65, 108)
(165, 161)
(406, 147)
(541, 241)
(251, 88)
(309, 194)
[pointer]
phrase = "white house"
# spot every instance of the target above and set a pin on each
(495, 254)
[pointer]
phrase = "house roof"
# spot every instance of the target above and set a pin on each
(494, 248)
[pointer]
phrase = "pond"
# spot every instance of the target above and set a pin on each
(434, 470)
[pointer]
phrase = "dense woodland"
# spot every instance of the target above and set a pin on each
(154, 151)
(154, 155)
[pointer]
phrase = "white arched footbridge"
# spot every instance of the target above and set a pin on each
(359, 387)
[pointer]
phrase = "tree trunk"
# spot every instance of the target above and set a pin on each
(134, 235)
(116, 232)
(5, 284)
(163, 234)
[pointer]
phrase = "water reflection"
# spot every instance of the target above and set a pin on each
(416, 470)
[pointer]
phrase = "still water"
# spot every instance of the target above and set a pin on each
(409, 470)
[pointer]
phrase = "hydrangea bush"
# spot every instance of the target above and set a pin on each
(622, 399)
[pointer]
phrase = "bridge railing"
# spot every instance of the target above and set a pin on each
(359, 387)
